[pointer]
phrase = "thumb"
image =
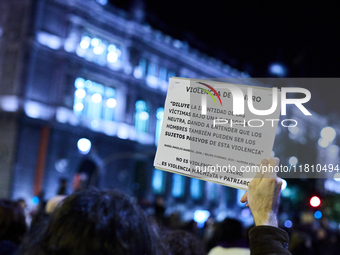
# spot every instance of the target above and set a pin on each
(244, 198)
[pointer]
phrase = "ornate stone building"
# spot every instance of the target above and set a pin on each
(73, 69)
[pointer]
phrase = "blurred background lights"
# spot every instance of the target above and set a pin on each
(315, 201)
(245, 212)
(337, 177)
(78, 107)
(88, 84)
(95, 42)
(284, 184)
(277, 69)
(318, 215)
(9, 103)
(144, 115)
(96, 98)
(286, 192)
(328, 133)
(138, 73)
(35, 200)
(98, 50)
(288, 224)
(80, 93)
(111, 47)
(160, 113)
(85, 42)
(80, 52)
(49, 40)
(123, 132)
(157, 180)
(33, 109)
(201, 216)
(293, 129)
(70, 43)
(94, 123)
(323, 142)
(293, 160)
(102, 2)
(278, 130)
(84, 145)
(333, 151)
(111, 103)
(79, 83)
(112, 57)
(61, 165)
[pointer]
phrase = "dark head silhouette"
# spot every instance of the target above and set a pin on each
(96, 222)
(12, 222)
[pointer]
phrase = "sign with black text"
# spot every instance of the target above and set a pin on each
(217, 131)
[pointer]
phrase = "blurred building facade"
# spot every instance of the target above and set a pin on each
(76, 69)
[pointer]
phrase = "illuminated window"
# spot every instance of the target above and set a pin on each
(140, 70)
(99, 51)
(159, 116)
(162, 74)
(141, 116)
(211, 191)
(94, 101)
(196, 188)
(158, 181)
(163, 79)
(152, 79)
(49, 40)
(113, 54)
(152, 68)
(178, 185)
(102, 2)
(142, 65)
(110, 104)
(171, 74)
(79, 96)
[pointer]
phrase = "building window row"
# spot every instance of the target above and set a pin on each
(141, 116)
(155, 76)
(110, 54)
(178, 186)
(103, 53)
(100, 51)
(95, 101)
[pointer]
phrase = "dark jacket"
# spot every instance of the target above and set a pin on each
(7, 248)
(267, 240)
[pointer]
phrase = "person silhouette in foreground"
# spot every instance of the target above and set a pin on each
(12, 226)
(263, 200)
(95, 222)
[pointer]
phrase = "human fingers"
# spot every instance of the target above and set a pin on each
(259, 175)
(244, 198)
(271, 173)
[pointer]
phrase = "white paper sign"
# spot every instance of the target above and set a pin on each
(202, 138)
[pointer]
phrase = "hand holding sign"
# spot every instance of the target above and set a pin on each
(264, 194)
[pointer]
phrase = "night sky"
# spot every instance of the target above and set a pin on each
(250, 36)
